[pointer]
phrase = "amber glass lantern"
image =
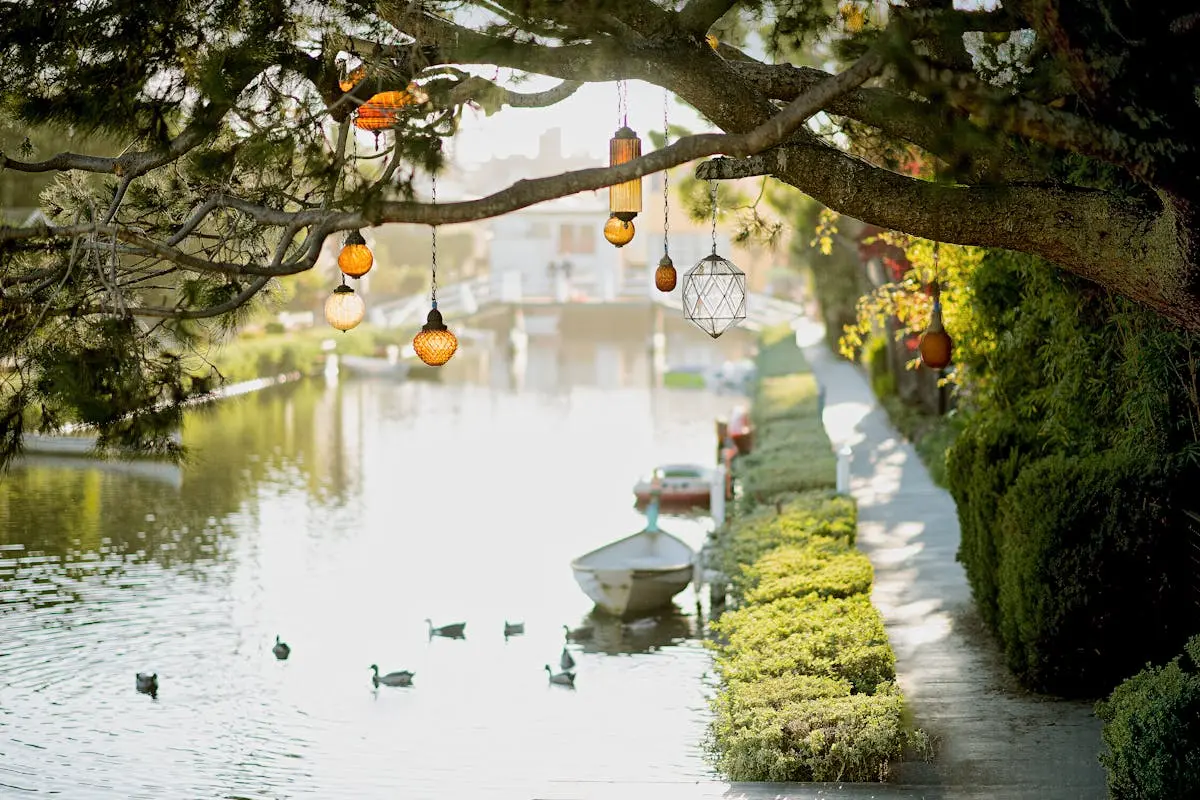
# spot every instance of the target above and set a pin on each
(617, 231)
(355, 260)
(935, 346)
(625, 199)
(351, 78)
(344, 309)
(712, 40)
(381, 110)
(665, 276)
(435, 343)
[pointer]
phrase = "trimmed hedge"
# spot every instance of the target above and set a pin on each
(807, 675)
(1152, 731)
(1090, 584)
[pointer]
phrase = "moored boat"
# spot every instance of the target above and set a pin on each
(372, 366)
(741, 430)
(680, 486)
(639, 573)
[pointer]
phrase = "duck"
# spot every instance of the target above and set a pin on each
(455, 630)
(513, 628)
(579, 634)
(561, 678)
(281, 649)
(148, 684)
(401, 678)
(565, 661)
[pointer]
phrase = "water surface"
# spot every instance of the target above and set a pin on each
(340, 517)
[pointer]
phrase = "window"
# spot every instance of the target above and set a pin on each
(573, 238)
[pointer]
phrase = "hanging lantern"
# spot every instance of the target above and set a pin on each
(355, 260)
(435, 343)
(714, 295)
(381, 110)
(344, 309)
(618, 231)
(665, 276)
(935, 345)
(351, 78)
(625, 199)
(712, 41)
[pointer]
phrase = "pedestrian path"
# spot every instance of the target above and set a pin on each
(989, 734)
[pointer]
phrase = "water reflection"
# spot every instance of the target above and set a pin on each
(341, 517)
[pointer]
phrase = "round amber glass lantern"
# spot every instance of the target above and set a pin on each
(618, 231)
(935, 345)
(355, 259)
(435, 343)
(344, 309)
(665, 276)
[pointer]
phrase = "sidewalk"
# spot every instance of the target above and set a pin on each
(989, 735)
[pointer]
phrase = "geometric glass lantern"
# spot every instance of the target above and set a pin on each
(714, 295)
(625, 199)
(355, 260)
(344, 309)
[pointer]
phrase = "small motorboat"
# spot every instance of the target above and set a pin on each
(680, 485)
(741, 430)
(375, 367)
(636, 574)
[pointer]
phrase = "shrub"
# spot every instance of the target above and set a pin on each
(805, 667)
(981, 465)
(810, 734)
(1152, 731)
(1090, 583)
(826, 568)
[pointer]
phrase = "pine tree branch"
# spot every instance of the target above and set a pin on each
(697, 16)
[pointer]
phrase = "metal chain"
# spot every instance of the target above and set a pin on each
(713, 194)
(666, 173)
(433, 282)
(622, 105)
(937, 283)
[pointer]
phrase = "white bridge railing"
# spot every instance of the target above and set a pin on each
(466, 298)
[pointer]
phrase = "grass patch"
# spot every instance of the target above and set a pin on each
(807, 674)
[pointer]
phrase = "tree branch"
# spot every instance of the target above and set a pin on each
(699, 15)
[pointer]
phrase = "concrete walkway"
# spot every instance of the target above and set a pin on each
(989, 735)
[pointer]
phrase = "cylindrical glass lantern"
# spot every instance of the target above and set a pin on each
(625, 199)
(618, 231)
(355, 260)
(665, 276)
(435, 343)
(344, 309)
(714, 295)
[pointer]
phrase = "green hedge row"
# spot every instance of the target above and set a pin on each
(1077, 562)
(1152, 731)
(807, 675)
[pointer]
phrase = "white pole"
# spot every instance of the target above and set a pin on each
(717, 495)
(844, 457)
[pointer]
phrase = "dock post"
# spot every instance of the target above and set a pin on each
(844, 457)
(716, 496)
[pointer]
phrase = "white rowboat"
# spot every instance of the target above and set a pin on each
(639, 573)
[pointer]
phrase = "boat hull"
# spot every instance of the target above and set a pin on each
(624, 592)
(688, 498)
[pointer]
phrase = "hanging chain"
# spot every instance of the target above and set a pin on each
(433, 282)
(937, 283)
(622, 105)
(713, 196)
(666, 174)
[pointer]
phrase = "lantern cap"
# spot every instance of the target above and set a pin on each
(343, 289)
(625, 132)
(434, 321)
(666, 261)
(355, 237)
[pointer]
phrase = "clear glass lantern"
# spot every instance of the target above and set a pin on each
(714, 295)
(344, 309)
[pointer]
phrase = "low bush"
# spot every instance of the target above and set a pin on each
(981, 465)
(806, 671)
(1152, 731)
(1091, 579)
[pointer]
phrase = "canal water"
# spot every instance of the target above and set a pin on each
(340, 516)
